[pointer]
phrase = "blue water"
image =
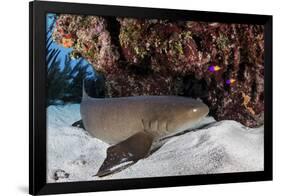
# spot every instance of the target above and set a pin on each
(64, 52)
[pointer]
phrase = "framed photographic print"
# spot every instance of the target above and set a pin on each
(129, 97)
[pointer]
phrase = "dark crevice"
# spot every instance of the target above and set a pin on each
(198, 41)
(113, 27)
(243, 61)
(240, 75)
(195, 88)
(95, 87)
(254, 90)
(142, 69)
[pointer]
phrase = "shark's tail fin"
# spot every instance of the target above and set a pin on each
(84, 93)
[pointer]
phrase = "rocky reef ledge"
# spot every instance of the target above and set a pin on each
(223, 64)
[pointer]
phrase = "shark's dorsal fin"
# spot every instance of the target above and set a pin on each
(84, 93)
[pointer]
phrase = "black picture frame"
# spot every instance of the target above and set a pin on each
(37, 100)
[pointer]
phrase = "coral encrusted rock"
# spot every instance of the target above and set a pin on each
(223, 64)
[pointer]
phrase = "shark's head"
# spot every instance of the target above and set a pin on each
(187, 113)
(197, 111)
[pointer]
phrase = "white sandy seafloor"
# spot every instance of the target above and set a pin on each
(221, 147)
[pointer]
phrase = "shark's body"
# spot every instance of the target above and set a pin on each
(133, 124)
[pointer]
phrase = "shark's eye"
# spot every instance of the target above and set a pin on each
(194, 110)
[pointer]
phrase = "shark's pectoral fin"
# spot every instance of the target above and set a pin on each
(125, 153)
